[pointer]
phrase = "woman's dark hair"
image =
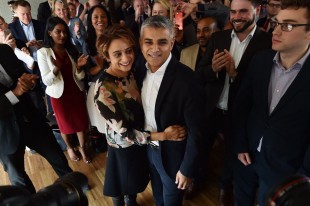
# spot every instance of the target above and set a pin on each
(49, 42)
(293, 191)
(91, 33)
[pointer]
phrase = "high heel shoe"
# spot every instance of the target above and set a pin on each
(72, 154)
(86, 159)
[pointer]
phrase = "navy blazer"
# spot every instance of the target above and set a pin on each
(11, 115)
(180, 101)
(19, 33)
(286, 131)
(214, 82)
(44, 12)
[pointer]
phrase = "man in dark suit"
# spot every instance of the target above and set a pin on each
(227, 57)
(26, 30)
(271, 112)
(45, 10)
(134, 20)
(78, 5)
(21, 124)
(170, 96)
(272, 8)
(192, 55)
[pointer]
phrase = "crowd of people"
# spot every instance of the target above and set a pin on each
(161, 91)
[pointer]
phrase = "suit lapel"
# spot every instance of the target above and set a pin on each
(266, 73)
(302, 79)
(252, 47)
(165, 85)
(20, 31)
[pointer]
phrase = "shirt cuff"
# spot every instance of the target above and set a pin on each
(11, 97)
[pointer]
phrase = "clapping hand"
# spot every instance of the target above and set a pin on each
(82, 60)
(25, 83)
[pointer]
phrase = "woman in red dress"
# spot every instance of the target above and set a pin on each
(62, 74)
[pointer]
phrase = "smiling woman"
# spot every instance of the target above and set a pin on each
(61, 72)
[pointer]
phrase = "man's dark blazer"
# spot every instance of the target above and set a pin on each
(19, 34)
(286, 131)
(11, 115)
(133, 25)
(180, 101)
(44, 11)
(214, 82)
(261, 23)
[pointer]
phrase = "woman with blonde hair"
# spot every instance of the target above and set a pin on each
(77, 30)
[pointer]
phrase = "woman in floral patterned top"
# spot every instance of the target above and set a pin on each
(118, 100)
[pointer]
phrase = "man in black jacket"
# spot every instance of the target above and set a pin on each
(21, 124)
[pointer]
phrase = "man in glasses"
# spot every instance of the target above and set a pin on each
(271, 113)
(273, 8)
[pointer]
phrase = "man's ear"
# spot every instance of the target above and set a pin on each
(258, 10)
(308, 35)
(172, 43)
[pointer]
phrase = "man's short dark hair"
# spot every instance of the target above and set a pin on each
(296, 4)
(22, 3)
(255, 3)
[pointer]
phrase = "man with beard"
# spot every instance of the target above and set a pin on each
(192, 55)
(227, 57)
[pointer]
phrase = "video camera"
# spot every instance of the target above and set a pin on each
(68, 190)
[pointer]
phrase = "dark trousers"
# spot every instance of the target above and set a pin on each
(165, 190)
(254, 181)
(40, 138)
(220, 122)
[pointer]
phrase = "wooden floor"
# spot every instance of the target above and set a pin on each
(42, 175)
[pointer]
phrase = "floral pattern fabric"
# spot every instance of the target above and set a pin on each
(118, 100)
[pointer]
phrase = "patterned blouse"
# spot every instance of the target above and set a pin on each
(119, 102)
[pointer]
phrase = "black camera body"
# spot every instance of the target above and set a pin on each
(293, 191)
(68, 190)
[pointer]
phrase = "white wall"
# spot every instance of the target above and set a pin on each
(6, 13)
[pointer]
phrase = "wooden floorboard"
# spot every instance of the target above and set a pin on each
(42, 175)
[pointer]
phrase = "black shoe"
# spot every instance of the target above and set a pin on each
(226, 197)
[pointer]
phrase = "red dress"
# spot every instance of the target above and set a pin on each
(70, 109)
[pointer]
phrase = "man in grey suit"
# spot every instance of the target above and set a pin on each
(21, 124)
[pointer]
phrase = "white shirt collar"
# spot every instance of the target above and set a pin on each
(250, 35)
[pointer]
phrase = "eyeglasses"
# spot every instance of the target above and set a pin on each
(285, 26)
(274, 5)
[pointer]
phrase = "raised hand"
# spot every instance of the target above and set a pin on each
(82, 60)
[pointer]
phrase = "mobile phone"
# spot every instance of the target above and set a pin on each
(178, 17)
(40, 42)
(7, 32)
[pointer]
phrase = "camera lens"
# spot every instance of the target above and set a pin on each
(66, 191)
(292, 191)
